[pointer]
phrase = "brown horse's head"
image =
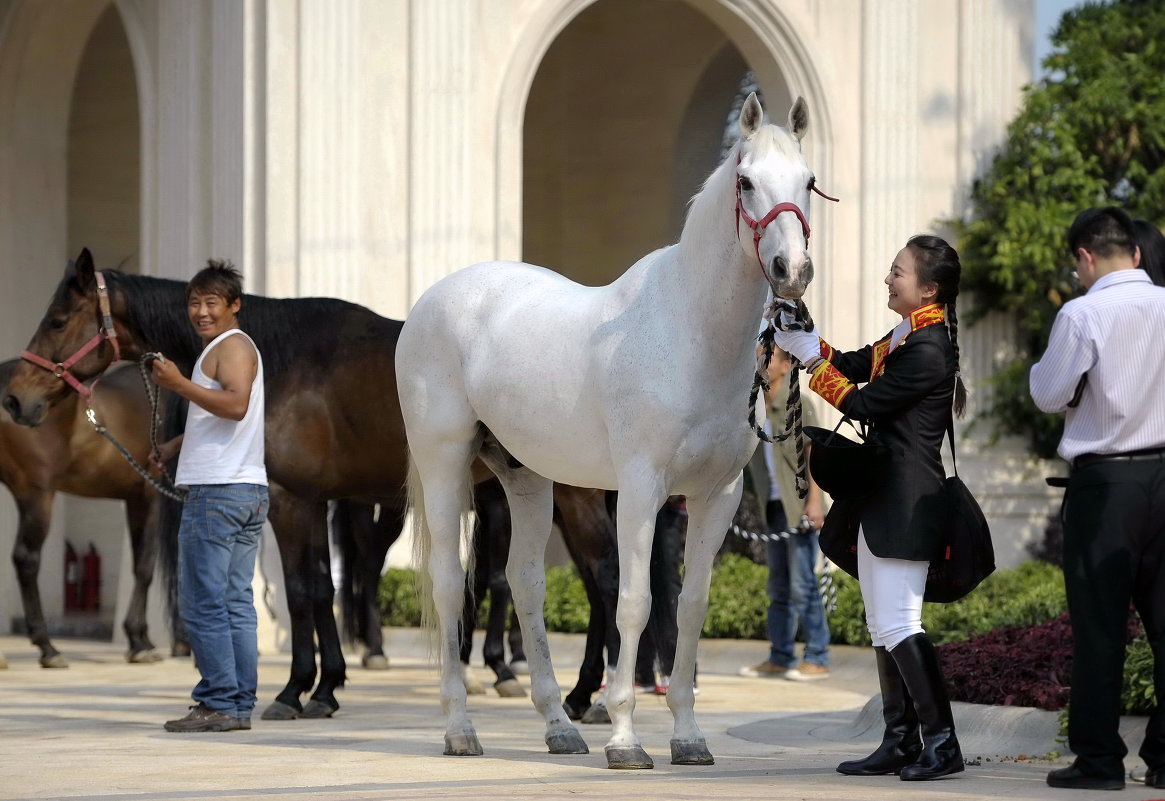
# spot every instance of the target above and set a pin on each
(73, 319)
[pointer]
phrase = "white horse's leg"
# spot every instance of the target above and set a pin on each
(637, 511)
(708, 521)
(531, 512)
(443, 472)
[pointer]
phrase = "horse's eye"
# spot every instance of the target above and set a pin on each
(812, 183)
(57, 324)
(745, 184)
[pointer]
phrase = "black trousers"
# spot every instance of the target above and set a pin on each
(1114, 552)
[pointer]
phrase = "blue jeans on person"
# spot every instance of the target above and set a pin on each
(218, 541)
(793, 594)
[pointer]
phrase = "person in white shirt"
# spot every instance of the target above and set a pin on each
(221, 464)
(1105, 367)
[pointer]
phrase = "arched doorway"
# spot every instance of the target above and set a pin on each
(617, 137)
(69, 176)
(104, 150)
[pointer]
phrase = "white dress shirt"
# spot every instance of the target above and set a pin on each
(1115, 335)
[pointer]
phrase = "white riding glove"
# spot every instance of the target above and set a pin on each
(804, 346)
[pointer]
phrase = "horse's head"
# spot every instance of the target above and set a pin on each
(71, 345)
(772, 208)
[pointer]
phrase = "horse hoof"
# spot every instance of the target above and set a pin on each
(375, 662)
(510, 688)
(520, 667)
(634, 758)
(473, 687)
(147, 657)
(691, 752)
(572, 711)
(463, 744)
(280, 711)
(54, 661)
(596, 713)
(567, 741)
(318, 709)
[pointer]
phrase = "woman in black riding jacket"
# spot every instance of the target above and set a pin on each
(890, 528)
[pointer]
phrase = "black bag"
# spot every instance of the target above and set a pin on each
(968, 556)
(842, 467)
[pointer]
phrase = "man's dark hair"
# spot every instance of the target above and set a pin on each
(1104, 231)
(218, 277)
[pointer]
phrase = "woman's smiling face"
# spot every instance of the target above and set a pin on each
(906, 293)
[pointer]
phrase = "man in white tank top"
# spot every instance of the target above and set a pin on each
(221, 464)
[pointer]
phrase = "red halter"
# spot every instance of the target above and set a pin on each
(107, 331)
(758, 227)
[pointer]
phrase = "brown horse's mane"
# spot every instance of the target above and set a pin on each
(304, 333)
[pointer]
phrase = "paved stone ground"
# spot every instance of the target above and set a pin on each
(94, 731)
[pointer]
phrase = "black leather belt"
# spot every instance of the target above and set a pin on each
(1147, 455)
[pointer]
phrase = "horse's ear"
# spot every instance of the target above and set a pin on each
(799, 118)
(83, 268)
(751, 117)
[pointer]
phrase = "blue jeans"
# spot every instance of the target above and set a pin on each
(793, 595)
(217, 544)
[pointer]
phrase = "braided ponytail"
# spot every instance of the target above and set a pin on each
(938, 264)
(960, 387)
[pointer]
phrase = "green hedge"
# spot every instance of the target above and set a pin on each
(1031, 593)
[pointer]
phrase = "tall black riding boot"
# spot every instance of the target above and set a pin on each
(941, 755)
(901, 744)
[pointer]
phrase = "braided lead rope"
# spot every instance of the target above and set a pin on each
(827, 588)
(152, 393)
(825, 585)
(793, 418)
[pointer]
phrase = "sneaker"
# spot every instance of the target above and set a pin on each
(765, 670)
(807, 672)
(203, 718)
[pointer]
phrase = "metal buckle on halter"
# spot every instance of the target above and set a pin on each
(59, 369)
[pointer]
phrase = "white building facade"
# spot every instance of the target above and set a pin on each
(365, 148)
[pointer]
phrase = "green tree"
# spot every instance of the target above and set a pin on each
(1092, 132)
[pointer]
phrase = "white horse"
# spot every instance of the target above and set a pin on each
(639, 386)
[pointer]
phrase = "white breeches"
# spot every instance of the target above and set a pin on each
(892, 591)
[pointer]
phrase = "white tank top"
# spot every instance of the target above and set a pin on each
(216, 450)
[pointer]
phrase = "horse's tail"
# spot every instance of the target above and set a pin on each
(351, 589)
(167, 518)
(423, 545)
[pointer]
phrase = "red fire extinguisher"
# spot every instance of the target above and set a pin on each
(72, 579)
(91, 581)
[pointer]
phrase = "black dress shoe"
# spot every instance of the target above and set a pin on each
(1072, 778)
(1155, 778)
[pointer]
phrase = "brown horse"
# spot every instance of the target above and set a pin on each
(66, 454)
(333, 423)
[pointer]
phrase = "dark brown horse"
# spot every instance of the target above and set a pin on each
(332, 418)
(66, 454)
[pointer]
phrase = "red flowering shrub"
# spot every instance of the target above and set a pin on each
(1017, 666)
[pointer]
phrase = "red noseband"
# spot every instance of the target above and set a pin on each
(105, 331)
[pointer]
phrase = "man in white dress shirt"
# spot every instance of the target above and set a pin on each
(1105, 367)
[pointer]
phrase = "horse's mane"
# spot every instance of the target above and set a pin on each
(706, 209)
(288, 331)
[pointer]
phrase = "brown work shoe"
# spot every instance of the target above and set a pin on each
(765, 670)
(808, 672)
(203, 718)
